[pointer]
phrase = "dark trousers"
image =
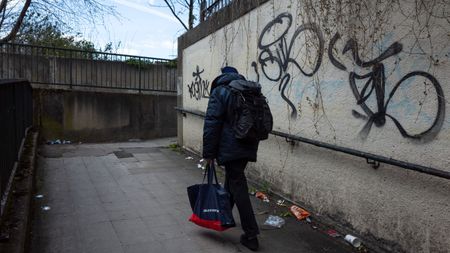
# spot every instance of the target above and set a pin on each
(236, 185)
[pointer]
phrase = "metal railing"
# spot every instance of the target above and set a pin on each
(77, 68)
(209, 7)
(16, 114)
(372, 159)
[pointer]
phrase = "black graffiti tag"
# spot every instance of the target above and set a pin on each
(376, 83)
(199, 88)
(277, 54)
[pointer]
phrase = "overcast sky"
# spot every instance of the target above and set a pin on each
(141, 30)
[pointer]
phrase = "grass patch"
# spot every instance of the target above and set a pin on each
(175, 147)
(265, 187)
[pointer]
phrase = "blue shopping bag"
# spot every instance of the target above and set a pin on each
(210, 203)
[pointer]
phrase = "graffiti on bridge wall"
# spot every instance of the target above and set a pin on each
(198, 88)
(276, 55)
(376, 83)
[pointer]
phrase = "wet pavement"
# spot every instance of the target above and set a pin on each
(131, 197)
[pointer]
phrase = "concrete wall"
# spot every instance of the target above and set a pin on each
(114, 72)
(103, 116)
(313, 89)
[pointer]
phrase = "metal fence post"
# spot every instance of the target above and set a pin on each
(71, 78)
(54, 65)
(140, 88)
(14, 112)
(202, 10)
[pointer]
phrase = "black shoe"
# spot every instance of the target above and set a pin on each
(251, 243)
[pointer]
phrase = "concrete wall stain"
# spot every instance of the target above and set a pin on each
(98, 116)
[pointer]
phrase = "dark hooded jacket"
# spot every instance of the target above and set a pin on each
(218, 137)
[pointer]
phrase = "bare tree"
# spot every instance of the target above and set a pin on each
(179, 9)
(67, 13)
(13, 24)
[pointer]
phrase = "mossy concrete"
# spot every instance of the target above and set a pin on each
(83, 116)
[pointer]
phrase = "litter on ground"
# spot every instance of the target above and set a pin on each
(274, 221)
(298, 212)
(262, 196)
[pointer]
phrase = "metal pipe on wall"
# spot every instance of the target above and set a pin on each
(354, 152)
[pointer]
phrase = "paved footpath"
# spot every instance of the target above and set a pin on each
(131, 197)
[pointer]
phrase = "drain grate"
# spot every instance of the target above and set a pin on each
(123, 154)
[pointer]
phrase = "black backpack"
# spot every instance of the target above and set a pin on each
(250, 113)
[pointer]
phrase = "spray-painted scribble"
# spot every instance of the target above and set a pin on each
(199, 88)
(377, 82)
(277, 55)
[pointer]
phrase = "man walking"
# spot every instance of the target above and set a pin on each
(220, 143)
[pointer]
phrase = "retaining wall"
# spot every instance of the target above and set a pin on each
(369, 79)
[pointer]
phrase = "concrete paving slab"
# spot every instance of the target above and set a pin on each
(146, 247)
(131, 197)
(132, 231)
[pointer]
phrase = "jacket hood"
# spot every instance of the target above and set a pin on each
(243, 85)
(225, 79)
